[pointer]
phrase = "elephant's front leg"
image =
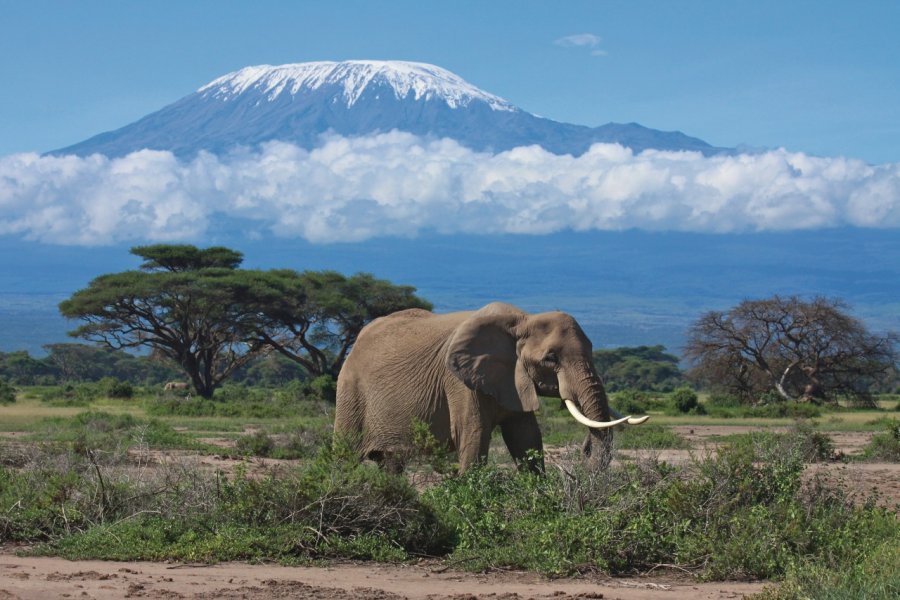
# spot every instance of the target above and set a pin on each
(472, 417)
(472, 445)
(523, 438)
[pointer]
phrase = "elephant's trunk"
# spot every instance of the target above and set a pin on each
(586, 399)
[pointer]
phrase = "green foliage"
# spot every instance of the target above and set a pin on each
(740, 513)
(743, 512)
(113, 388)
(332, 507)
(20, 368)
(884, 446)
(685, 400)
(776, 410)
(630, 401)
(7, 392)
(298, 398)
(648, 368)
(876, 577)
(314, 317)
(103, 431)
(70, 394)
(258, 443)
(197, 309)
(802, 439)
(425, 445)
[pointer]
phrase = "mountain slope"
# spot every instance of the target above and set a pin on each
(298, 103)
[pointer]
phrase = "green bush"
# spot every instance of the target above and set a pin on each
(71, 394)
(876, 577)
(7, 392)
(685, 400)
(114, 388)
(737, 514)
(258, 443)
(324, 387)
(884, 446)
(332, 507)
(630, 402)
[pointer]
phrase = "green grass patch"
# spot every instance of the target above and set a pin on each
(97, 430)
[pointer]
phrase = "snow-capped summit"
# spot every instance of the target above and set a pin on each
(297, 103)
(421, 80)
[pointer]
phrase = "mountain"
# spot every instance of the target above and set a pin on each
(299, 102)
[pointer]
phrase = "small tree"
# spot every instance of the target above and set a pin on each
(812, 350)
(185, 303)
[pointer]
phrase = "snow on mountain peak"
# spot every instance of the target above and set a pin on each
(424, 81)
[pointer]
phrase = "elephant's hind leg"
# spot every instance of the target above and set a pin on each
(523, 439)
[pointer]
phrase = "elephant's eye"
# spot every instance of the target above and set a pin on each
(550, 359)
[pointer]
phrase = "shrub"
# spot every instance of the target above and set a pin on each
(7, 392)
(324, 387)
(685, 399)
(258, 443)
(885, 445)
(332, 507)
(114, 388)
(71, 394)
(630, 401)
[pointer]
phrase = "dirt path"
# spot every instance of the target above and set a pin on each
(24, 578)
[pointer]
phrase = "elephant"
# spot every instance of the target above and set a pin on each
(465, 373)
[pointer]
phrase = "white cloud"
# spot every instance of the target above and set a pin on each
(582, 40)
(579, 39)
(399, 184)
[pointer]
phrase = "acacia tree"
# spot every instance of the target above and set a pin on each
(314, 317)
(812, 350)
(185, 303)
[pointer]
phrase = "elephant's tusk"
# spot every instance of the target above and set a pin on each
(595, 424)
(631, 420)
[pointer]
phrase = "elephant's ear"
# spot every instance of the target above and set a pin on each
(482, 354)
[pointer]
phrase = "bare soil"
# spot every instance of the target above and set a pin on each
(28, 578)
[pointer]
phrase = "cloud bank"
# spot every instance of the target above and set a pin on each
(397, 184)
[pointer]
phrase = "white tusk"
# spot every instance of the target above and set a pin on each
(595, 424)
(631, 420)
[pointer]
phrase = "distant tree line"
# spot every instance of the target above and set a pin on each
(78, 363)
(645, 368)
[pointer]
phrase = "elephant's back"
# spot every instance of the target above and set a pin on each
(406, 332)
(394, 376)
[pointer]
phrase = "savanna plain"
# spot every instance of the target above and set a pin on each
(159, 495)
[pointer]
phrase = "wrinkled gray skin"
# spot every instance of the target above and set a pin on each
(464, 374)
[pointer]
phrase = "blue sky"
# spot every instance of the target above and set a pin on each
(817, 77)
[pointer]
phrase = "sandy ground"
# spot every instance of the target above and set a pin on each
(28, 578)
